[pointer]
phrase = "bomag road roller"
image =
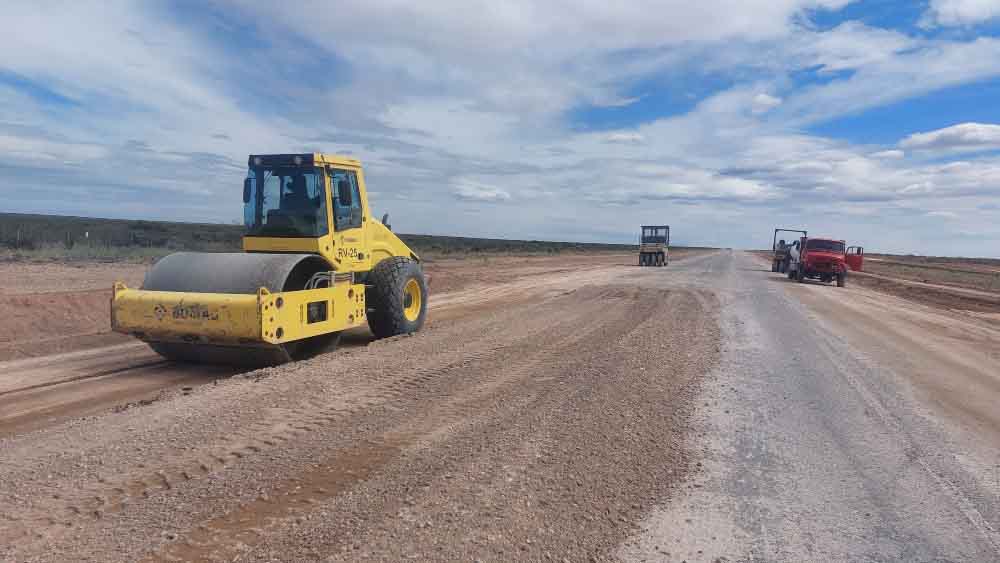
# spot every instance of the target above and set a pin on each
(314, 263)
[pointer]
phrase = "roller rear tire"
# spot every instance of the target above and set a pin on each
(397, 297)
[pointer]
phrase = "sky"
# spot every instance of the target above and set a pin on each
(875, 121)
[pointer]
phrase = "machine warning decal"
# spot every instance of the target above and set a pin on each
(160, 311)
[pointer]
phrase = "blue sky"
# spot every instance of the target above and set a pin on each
(875, 120)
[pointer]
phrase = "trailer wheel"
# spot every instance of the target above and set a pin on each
(397, 297)
(841, 279)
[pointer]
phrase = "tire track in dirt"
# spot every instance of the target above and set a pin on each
(224, 538)
(107, 393)
(408, 403)
(281, 426)
(558, 468)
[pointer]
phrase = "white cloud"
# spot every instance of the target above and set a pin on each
(942, 214)
(924, 66)
(961, 12)
(891, 154)
(624, 137)
(965, 136)
(849, 46)
(762, 103)
(473, 191)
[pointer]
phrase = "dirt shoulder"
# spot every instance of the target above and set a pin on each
(950, 356)
(954, 284)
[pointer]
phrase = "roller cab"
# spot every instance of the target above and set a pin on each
(315, 263)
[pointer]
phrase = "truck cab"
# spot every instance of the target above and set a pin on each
(818, 258)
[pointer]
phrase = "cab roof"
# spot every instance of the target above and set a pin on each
(304, 159)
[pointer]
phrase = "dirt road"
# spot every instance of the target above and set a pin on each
(840, 425)
(708, 411)
(542, 415)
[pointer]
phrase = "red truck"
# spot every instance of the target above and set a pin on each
(818, 258)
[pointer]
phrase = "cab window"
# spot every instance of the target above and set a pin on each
(284, 201)
(346, 199)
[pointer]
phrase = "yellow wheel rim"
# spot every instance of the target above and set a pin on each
(411, 300)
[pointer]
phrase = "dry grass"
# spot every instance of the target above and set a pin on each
(975, 273)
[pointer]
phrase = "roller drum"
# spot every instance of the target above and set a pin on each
(233, 272)
(237, 273)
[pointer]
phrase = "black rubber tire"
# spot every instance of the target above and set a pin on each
(842, 279)
(384, 295)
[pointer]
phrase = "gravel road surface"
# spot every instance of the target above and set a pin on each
(840, 425)
(539, 418)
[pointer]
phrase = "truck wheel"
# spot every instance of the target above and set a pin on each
(397, 297)
(841, 279)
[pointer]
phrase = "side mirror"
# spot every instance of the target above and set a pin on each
(344, 193)
(385, 221)
(247, 189)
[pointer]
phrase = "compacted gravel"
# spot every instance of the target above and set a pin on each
(540, 422)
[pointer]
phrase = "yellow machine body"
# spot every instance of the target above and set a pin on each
(230, 319)
(236, 313)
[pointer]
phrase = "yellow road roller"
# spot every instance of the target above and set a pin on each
(314, 263)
